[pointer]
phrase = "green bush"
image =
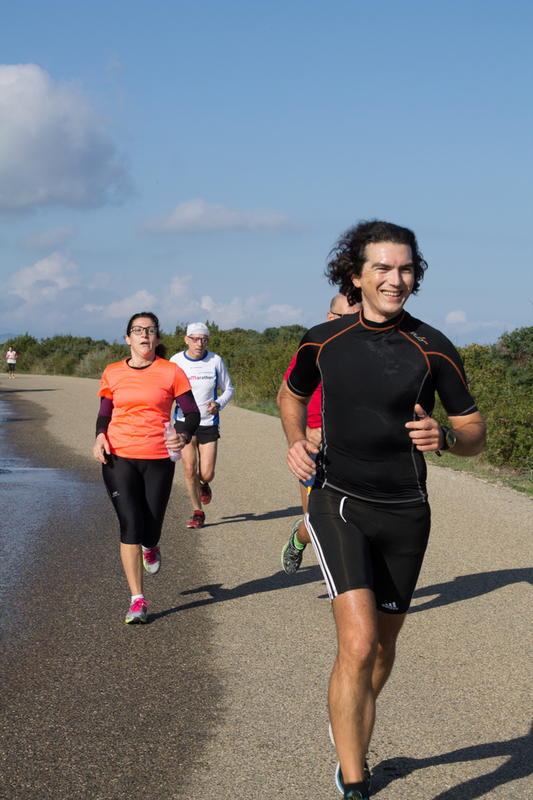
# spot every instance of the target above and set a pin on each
(94, 362)
(498, 378)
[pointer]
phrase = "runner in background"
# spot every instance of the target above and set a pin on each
(207, 373)
(292, 552)
(11, 359)
(137, 398)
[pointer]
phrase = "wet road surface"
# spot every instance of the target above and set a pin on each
(90, 707)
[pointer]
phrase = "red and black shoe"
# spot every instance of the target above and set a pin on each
(205, 493)
(197, 521)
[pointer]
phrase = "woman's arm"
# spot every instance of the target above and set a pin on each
(101, 446)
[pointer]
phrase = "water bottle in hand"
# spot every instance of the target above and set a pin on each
(175, 455)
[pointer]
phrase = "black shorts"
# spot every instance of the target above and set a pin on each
(363, 545)
(203, 433)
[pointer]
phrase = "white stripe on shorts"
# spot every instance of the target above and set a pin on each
(332, 589)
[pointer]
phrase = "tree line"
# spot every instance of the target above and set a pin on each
(500, 376)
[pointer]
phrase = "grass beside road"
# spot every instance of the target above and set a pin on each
(519, 481)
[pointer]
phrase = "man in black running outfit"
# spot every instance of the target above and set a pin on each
(368, 513)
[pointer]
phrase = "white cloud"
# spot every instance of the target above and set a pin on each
(51, 297)
(46, 279)
(251, 312)
(123, 309)
(49, 239)
(195, 216)
(455, 316)
(462, 324)
(54, 148)
(179, 285)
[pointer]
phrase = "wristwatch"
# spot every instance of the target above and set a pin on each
(449, 437)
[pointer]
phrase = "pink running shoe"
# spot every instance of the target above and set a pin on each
(138, 612)
(152, 560)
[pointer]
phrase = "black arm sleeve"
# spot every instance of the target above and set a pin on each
(104, 416)
(191, 412)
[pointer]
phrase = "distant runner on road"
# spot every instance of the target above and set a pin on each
(207, 373)
(368, 514)
(292, 552)
(11, 360)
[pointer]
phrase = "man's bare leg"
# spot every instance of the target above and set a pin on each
(389, 626)
(207, 457)
(314, 435)
(358, 709)
(189, 456)
(302, 533)
(351, 694)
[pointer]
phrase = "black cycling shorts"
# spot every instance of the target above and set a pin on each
(139, 490)
(363, 545)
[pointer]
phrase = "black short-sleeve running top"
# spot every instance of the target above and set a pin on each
(372, 375)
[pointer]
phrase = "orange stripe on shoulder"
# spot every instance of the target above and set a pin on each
(331, 338)
(437, 353)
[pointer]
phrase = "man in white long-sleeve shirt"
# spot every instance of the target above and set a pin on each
(206, 373)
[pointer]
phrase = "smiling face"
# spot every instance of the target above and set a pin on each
(142, 344)
(386, 280)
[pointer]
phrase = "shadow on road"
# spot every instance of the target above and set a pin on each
(292, 511)
(21, 390)
(217, 594)
(466, 587)
(519, 764)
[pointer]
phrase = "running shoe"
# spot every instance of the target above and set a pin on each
(339, 782)
(205, 493)
(137, 612)
(152, 560)
(291, 557)
(355, 795)
(197, 521)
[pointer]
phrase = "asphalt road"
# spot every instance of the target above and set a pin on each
(223, 694)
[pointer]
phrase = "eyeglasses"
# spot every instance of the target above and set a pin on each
(201, 339)
(339, 315)
(138, 329)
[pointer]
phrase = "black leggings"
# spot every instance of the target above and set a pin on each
(139, 490)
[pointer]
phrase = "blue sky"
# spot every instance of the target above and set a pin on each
(201, 159)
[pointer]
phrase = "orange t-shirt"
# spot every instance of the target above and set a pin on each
(142, 403)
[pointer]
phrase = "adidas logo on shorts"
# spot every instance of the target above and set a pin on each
(390, 606)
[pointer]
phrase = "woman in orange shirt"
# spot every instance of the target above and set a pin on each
(137, 397)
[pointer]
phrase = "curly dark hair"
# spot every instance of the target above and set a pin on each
(347, 257)
(160, 350)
